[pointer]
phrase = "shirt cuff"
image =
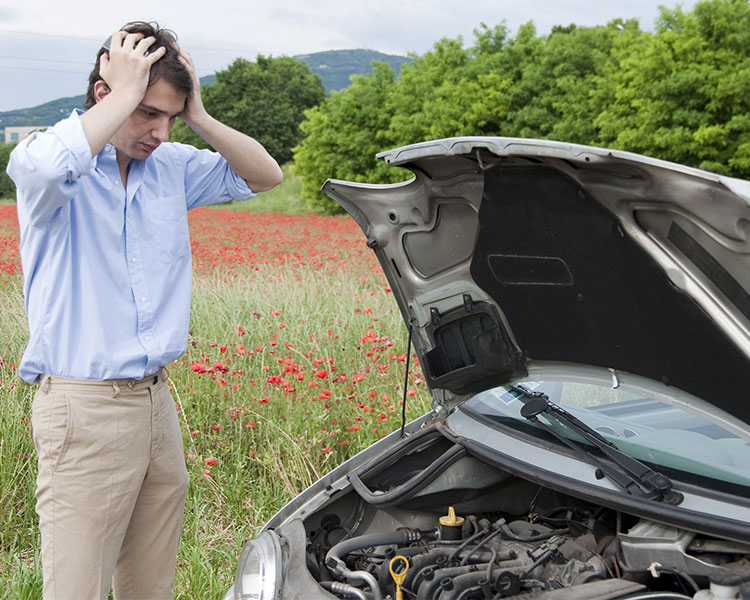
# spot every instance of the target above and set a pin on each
(70, 133)
(236, 186)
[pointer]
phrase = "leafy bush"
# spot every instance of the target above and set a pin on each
(7, 188)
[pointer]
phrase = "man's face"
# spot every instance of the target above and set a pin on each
(149, 124)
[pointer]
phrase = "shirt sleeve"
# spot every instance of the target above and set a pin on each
(46, 167)
(210, 180)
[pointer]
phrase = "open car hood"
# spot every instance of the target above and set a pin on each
(504, 252)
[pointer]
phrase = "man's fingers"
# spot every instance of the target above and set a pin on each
(156, 54)
(132, 41)
(145, 43)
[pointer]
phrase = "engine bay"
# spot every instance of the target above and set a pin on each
(431, 521)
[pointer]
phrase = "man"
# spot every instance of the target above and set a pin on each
(102, 204)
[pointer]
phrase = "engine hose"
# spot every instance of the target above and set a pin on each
(409, 488)
(659, 596)
(335, 556)
(476, 548)
(344, 589)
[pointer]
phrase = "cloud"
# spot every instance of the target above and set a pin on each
(9, 15)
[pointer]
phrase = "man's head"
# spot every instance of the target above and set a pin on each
(168, 68)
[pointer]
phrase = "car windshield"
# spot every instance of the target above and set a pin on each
(645, 419)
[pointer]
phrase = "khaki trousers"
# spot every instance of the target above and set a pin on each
(111, 487)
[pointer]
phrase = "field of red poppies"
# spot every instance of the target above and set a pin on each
(295, 361)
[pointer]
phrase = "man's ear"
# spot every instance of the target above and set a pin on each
(101, 89)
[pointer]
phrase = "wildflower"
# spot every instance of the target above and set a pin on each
(321, 373)
(194, 432)
(216, 427)
(210, 462)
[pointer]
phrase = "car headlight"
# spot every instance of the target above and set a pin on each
(259, 570)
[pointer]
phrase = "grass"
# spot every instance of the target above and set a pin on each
(295, 362)
(285, 198)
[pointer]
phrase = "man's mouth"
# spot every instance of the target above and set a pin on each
(149, 147)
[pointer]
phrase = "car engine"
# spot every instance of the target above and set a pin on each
(468, 530)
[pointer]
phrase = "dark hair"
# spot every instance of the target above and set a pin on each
(168, 67)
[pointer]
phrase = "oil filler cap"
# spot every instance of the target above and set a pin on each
(451, 526)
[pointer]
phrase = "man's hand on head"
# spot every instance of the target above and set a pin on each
(126, 67)
(194, 110)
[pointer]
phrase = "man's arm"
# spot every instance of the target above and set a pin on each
(248, 158)
(125, 72)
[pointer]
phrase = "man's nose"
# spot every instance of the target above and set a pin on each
(161, 130)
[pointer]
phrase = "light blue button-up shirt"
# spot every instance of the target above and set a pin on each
(107, 269)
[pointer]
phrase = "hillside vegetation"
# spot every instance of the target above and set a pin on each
(679, 94)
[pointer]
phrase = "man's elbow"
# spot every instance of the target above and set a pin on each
(270, 180)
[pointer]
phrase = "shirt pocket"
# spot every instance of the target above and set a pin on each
(167, 220)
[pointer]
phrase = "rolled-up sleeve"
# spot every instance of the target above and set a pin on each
(209, 179)
(46, 168)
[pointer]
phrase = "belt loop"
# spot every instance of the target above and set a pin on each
(115, 389)
(131, 384)
(46, 383)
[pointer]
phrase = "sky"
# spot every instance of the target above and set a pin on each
(47, 47)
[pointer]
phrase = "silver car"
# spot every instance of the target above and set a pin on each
(582, 318)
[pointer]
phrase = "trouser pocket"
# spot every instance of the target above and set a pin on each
(52, 427)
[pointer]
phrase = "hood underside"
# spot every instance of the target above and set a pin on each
(504, 252)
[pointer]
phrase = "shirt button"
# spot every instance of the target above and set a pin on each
(132, 259)
(147, 338)
(117, 182)
(143, 298)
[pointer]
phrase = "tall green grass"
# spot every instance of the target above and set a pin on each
(264, 328)
(285, 198)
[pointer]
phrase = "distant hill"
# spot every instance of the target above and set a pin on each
(335, 68)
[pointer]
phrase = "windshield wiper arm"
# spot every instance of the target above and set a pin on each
(633, 476)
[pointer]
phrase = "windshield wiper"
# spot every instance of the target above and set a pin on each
(633, 476)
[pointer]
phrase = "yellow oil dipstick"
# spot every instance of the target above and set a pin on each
(401, 575)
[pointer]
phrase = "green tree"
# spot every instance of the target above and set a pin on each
(447, 92)
(555, 94)
(342, 136)
(682, 93)
(265, 99)
(7, 189)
